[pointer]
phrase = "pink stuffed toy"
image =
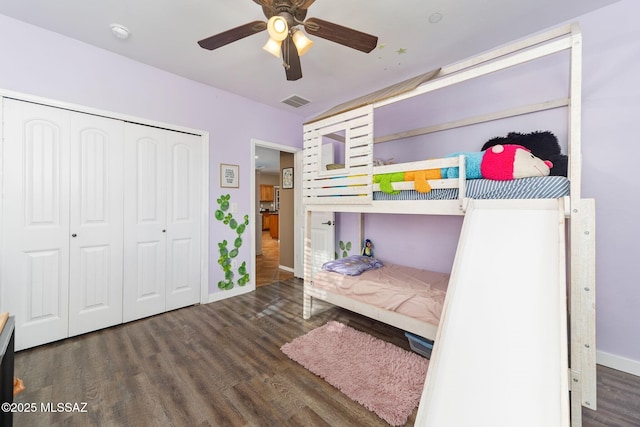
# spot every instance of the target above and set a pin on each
(505, 162)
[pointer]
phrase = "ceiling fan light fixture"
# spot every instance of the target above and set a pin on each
(273, 47)
(278, 28)
(283, 19)
(302, 42)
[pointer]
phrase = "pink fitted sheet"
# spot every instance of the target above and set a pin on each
(410, 291)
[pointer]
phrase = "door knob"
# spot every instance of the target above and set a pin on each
(328, 223)
(74, 235)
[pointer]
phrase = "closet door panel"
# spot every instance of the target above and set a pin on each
(35, 270)
(96, 223)
(145, 162)
(183, 219)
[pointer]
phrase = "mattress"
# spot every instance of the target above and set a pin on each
(540, 187)
(406, 290)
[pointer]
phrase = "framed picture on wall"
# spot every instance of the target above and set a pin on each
(287, 178)
(229, 176)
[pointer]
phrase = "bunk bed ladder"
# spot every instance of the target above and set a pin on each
(501, 353)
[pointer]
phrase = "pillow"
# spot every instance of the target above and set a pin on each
(352, 265)
(333, 166)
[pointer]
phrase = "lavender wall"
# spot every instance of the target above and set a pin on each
(611, 125)
(42, 63)
(610, 129)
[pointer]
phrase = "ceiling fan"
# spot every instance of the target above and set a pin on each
(286, 39)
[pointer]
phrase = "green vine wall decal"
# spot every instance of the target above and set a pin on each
(226, 255)
(345, 248)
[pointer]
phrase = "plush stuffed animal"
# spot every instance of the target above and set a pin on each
(421, 178)
(472, 162)
(501, 162)
(385, 180)
(542, 144)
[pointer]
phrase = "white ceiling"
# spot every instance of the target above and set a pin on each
(267, 160)
(164, 34)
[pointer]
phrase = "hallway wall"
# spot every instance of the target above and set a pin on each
(287, 255)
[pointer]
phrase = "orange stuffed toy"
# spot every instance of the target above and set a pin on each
(421, 178)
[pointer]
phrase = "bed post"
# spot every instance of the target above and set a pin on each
(582, 254)
(306, 299)
(361, 230)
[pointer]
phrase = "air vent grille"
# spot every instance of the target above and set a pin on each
(296, 101)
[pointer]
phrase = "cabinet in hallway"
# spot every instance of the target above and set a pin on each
(273, 225)
(265, 220)
(266, 193)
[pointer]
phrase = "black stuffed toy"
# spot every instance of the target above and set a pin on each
(541, 144)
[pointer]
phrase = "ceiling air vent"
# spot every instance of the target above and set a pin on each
(296, 101)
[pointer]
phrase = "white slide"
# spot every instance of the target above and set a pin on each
(501, 353)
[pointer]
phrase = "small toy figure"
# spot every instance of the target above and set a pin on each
(367, 250)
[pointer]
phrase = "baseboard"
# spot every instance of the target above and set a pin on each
(618, 363)
(237, 290)
(289, 269)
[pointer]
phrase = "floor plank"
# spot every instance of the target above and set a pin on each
(268, 264)
(220, 364)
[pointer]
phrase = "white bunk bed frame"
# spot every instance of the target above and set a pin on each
(350, 189)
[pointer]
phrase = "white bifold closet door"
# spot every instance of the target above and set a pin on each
(162, 208)
(101, 221)
(96, 223)
(62, 221)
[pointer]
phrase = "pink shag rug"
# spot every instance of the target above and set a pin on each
(382, 377)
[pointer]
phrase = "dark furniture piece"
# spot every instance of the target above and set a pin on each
(7, 341)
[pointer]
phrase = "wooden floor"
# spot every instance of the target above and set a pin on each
(220, 364)
(267, 264)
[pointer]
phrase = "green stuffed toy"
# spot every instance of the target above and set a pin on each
(385, 180)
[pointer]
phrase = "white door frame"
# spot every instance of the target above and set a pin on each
(252, 214)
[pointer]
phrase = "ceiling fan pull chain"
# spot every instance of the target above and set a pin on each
(285, 55)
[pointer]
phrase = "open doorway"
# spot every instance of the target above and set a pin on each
(273, 213)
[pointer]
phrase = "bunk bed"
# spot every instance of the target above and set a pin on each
(350, 187)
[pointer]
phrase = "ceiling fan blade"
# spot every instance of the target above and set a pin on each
(232, 35)
(338, 34)
(292, 68)
(267, 3)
